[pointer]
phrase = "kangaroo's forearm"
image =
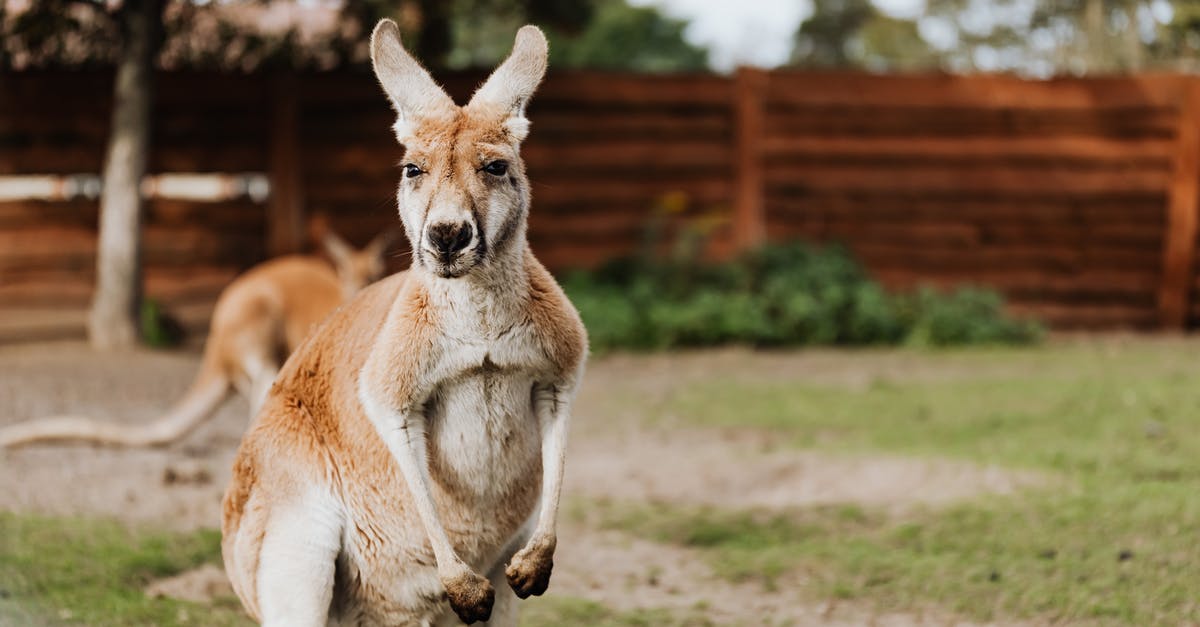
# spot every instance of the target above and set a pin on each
(406, 442)
(554, 412)
(554, 443)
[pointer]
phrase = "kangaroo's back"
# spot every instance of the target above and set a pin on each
(275, 304)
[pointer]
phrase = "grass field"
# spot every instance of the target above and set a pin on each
(1110, 536)
(1106, 433)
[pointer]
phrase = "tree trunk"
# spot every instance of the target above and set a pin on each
(113, 322)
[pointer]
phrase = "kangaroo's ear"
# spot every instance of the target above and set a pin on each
(382, 242)
(413, 92)
(339, 251)
(510, 87)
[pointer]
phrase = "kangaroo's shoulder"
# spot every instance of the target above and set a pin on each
(559, 326)
(347, 335)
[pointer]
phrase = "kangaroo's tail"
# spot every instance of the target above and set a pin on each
(201, 400)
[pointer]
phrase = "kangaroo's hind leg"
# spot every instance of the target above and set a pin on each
(296, 561)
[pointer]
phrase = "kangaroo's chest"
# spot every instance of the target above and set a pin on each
(484, 456)
(483, 434)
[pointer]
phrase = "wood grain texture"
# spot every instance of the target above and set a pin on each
(1076, 198)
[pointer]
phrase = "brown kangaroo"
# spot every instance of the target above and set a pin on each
(406, 466)
(259, 319)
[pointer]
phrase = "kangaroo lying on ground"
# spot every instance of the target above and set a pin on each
(416, 439)
(259, 319)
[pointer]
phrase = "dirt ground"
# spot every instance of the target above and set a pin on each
(611, 455)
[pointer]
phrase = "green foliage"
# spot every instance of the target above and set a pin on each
(92, 572)
(158, 328)
(600, 34)
(788, 295)
(969, 315)
(623, 37)
(825, 40)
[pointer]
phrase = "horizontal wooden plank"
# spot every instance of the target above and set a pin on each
(197, 283)
(917, 257)
(77, 213)
(564, 257)
(978, 91)
(32, 123)
(1088, 317)
(968, 178)
(548, 192)
(969, 234)
(634, 155)
(220, 216)
(598, 89)
(858, 121)
(1023, 208)
(1156, 150)
(570, 125)
(359, 159)
(48, 158)
(1112, 286)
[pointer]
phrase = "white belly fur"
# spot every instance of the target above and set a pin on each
(483, 433)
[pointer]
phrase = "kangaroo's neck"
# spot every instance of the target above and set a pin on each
(493, 294)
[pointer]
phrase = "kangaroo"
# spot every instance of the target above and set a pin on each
(259, 319)
(407, 464)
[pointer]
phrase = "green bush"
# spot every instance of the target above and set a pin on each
(778, 296)
(159, 329)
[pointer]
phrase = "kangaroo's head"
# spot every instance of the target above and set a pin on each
(355, 268)
(464, 196)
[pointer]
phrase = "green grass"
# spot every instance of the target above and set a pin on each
(1033, 559)
(91, 572)
(74, 571)
(1111, 537)
(555, 611)
(1073, 410)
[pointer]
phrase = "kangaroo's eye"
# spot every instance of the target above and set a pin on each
(411, 170)
(496, 168)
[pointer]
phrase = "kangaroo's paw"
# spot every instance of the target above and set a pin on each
(529, 571)
(470, 595)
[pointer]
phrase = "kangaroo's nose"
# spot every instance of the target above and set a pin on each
(450, 238)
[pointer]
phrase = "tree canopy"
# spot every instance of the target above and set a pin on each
(1038, 38)
(256, 34)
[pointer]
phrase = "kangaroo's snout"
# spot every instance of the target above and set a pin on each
(449, 238)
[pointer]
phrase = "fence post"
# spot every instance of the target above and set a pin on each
(749, 214)
(285, 211)
(1179, 242)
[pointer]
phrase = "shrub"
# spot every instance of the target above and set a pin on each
(159, 329)
(789, 295)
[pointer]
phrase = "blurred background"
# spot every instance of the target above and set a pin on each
(889, 299)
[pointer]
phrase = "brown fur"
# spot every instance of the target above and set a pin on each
(380, 449)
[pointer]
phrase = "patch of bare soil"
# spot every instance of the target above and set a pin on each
(178, 487)
(199, 585)
(852, 368)
(744, 471)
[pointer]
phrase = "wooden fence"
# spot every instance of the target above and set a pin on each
(1076, 198)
